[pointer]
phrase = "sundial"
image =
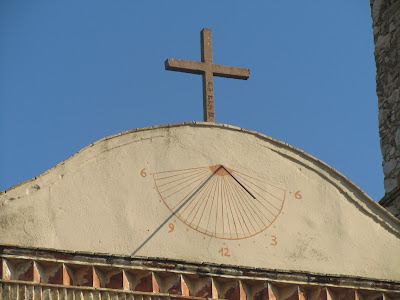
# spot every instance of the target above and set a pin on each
(206, 193)
(220, 202)
(215, 201)
(200, 194)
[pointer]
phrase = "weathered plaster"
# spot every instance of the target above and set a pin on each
(101, 200)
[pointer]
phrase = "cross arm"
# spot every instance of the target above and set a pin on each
(231, 72)
(185, 66)
(195, 67)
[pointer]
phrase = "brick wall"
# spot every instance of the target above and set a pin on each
(386, 29)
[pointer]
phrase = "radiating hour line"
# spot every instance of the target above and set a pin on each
(262, 190)
(274, 186)
(181, 178)
(242, 208)
(244, 197)
(265, 200)
(217, 201)
(259, 187)
(222, 210)
(205, 206)
(230, 208)
(182, 170)
(205, 178)
(180, 183)
(236, 203)
(200, 199)
(180, 174)
(252, 204)
(239, 215)
(199, 194)
(189, 184)
(222, 206)
(249, 202)
(210, 213)
(252, 221)
(234, 215)
(216, 211)
(225, 212)
(258, 200)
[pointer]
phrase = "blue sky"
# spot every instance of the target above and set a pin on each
(74, 72)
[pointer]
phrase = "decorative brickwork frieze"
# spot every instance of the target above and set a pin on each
(48, 274)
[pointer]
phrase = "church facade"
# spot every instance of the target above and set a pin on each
(201, 210)
(196, 210)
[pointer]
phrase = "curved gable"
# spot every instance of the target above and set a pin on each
(205, 193)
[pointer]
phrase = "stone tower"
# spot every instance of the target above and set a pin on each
(386, 29)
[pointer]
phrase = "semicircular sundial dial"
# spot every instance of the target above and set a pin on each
(220, 202)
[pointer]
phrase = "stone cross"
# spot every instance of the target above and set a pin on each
(207, 69)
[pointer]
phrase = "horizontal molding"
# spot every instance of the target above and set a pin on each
(58, 270)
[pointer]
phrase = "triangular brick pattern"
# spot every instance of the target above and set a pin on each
(234, 290)
(43, 274)
(176, 285)
(146, 283)
(205, 288)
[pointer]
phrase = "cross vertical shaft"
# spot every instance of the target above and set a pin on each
(208, 78)
(208, 70)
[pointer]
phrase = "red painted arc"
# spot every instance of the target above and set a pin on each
(220, 202)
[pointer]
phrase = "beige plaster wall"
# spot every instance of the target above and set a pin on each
(112, 197)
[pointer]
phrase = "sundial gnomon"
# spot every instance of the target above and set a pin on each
(230, 205)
